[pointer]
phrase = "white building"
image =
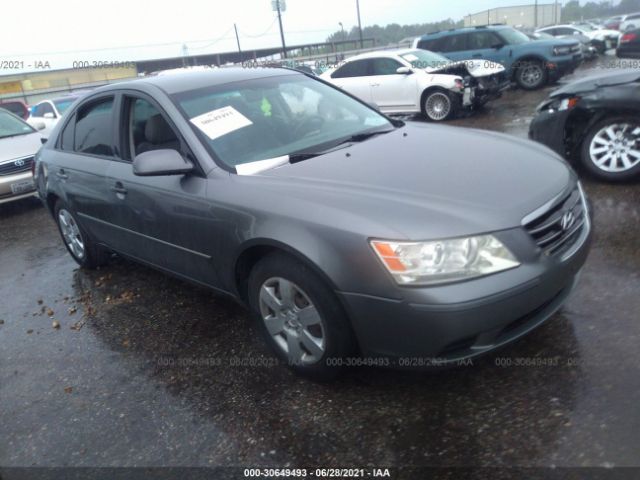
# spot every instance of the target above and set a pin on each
(523, 16)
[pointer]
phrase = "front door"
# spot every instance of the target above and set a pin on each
(163, 220)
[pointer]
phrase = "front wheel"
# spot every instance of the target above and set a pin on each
(438, 105)
(299, 316)
(531, 75)
(79, 245)
(611, 149)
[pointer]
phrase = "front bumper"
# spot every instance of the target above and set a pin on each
(447, 329)
(564, 66)
(549, 129)
(6, 192)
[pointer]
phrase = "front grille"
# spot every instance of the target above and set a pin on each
(557, 229)
(17, 165)
(576, 49)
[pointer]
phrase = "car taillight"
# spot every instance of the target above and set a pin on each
(628, 37)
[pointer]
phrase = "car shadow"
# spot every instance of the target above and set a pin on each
(205, 351)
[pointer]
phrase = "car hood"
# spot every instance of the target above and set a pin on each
(602, 33)
(476, 68)
(19, 146)
(601, 80)
(421, 181)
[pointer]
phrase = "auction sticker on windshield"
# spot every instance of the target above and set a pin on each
(221, 121)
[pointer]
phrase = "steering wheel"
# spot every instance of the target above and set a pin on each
(311, 123)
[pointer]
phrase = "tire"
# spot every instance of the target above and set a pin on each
(439, 105)
(78, 243)
(531, 75)
(611, 149)
(308, 348)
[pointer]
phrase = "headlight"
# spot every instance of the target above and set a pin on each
(562, 50)
(558, 105)
(440, 261)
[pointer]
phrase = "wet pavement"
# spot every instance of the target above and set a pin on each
(146, 370)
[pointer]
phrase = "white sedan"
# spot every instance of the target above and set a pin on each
(602, 39)
(419, 81)
(49, 112)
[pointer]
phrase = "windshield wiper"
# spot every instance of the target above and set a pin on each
(356, 138)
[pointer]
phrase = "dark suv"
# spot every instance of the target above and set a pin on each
(532, 64)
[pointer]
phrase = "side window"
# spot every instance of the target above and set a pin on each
(66, 138)
(385, 66)
(565, 31)
(148, 129)
(94, 128)
(47, 108)
(359, 68)
(482, 40)
(454, 43)
(428, 44)
(38, 110)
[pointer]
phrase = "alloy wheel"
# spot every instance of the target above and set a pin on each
(616, 148)
(438, 106)
(71, 233)
(292, 320)
(531, 75)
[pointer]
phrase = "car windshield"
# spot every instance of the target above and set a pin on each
(425, 59)
(513, 37)
(275, 116)
(584, 27)
(63, 103)
(11, 126)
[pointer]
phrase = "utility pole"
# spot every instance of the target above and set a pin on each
(359, 23)
(238, 41)
(279, 9)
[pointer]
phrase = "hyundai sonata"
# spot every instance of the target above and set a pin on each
(344, 232)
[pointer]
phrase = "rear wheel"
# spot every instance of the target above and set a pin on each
(79, 245)
(531, 75)
(438, 105)
(611, 149)
(299, 316)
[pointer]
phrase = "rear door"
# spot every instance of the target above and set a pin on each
(354, 78)
(393, 92)
(82, 155)
(162, 220)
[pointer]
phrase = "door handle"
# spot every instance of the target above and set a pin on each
(375, 84)
(61, 174)
(119, 189)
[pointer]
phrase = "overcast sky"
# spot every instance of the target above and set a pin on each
(123, 30)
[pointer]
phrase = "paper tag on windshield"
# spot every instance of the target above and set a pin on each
(410, 57)
(217, 123)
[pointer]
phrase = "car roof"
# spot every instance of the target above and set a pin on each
(193, 80)
(381, 53)
(465, 30)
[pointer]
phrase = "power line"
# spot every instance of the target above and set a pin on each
(263, 33)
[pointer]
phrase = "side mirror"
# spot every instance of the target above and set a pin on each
(404, 71)
(49, 115)
(159, 163)
(40, 126)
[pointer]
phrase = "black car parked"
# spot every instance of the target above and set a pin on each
(629, 46)
(595, 121)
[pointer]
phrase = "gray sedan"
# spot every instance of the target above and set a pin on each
(349, 235)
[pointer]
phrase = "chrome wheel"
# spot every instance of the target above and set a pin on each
(71, 233)
(531, 75)
(616, 148)
(292, 320)
(437, 106)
